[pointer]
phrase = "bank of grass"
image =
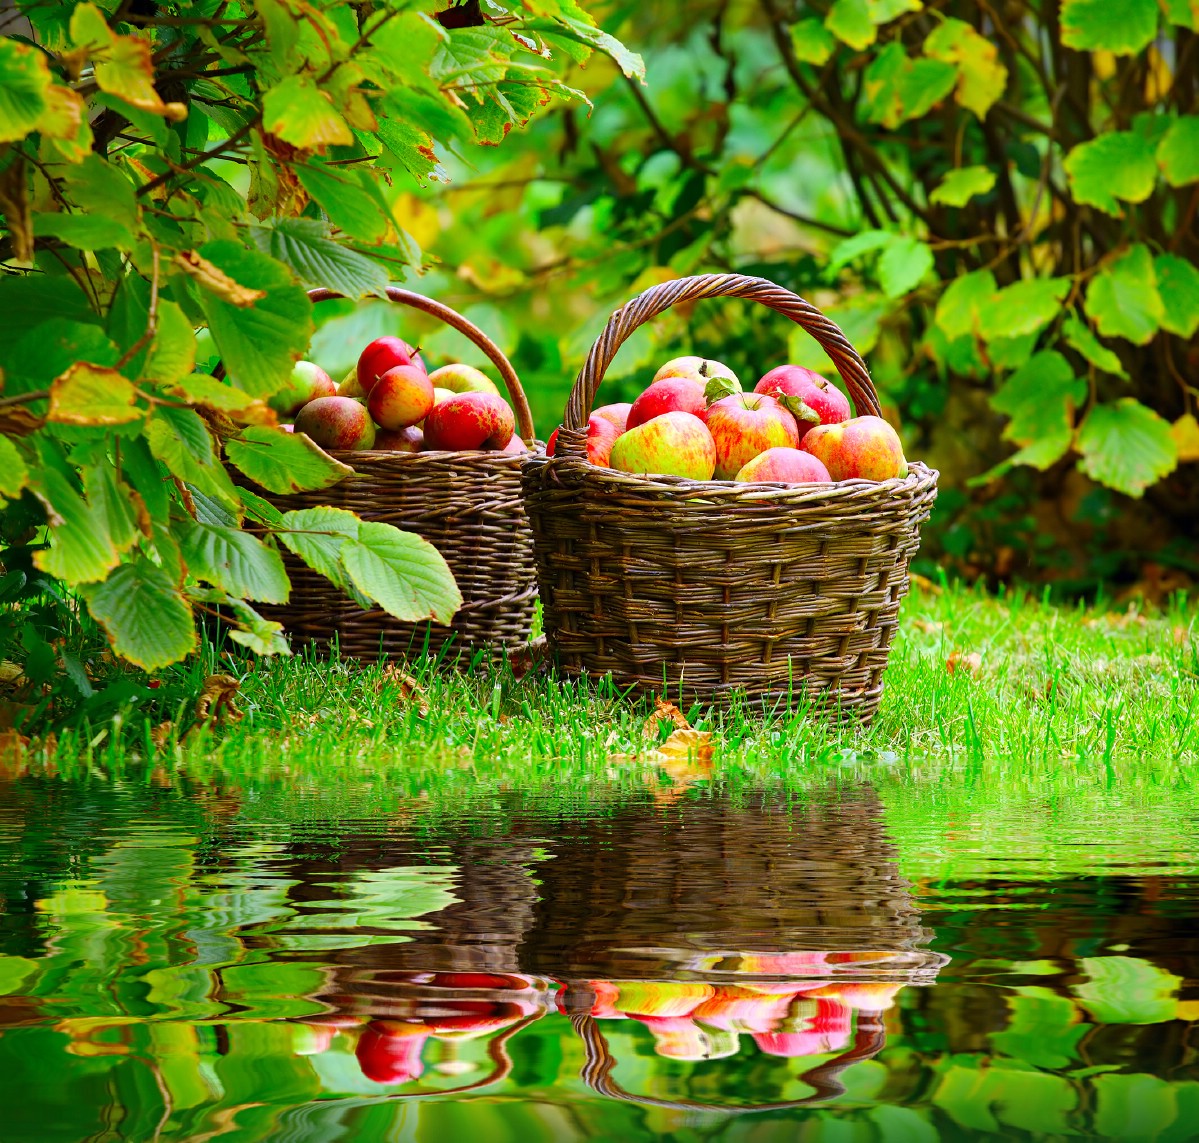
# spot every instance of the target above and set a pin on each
(975, 680)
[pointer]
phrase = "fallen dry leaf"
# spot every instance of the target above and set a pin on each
(966, 663)
(216, 702)
(161, 734)
(216, 280)
(410, 690)
(1156, 585)
(13, 762)
(925, 584)
(533, 654)
(665, 713)
(928, 627)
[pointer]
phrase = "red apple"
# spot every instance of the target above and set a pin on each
(670, 395)
(515, 447)
(401, 397)
(674, 444)
(618, 414)
(382, 354)
(865, 448)
(784, 466)
(601, 436)
(389, 1051)
(463, 379)
(470, 421)
(409, 439)
(306, 383)
(811, 398)
(337, 423)
(744, 425)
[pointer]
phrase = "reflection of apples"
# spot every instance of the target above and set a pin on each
(470, 421)
(823, 1026)
(784, 465)
(307, 382)
(337, 423)
(741, 1010)
(409, 439)
(864, 996)
(744, 425)
(463, 379)
(389, 1051)
(401, 397)
(865, 448)
(651, 998)
(825, 403)
(601, 436)
(618, 414)
(677, 1038)
(672, 395)
(674, 444)
(382, 354)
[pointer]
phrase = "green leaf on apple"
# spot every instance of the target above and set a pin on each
(719, 387)
(1126, 446)
(799, 408)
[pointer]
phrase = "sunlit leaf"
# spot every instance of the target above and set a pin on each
(283, 462)
(959, 186)
(236, 561)
(1126, 446)
(811, 41)
(89, 394)
(1040, 398)
(317, 260)
(1080, 338)
(1178, 151)
(959, 306)
(1115, 165)
(1123, 298)
(24, 83)
(1022, 308)
(297, 111)
(1178, 286)
(981, 78)
(1127, 990)
(1123, 28)
(404, 573)
(145, 616)
(13, 470)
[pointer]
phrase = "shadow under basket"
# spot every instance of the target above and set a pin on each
(716, 591)
(468, 505)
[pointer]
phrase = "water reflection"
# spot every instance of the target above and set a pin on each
(177, 965)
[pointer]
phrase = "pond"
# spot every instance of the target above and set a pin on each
(935, 958)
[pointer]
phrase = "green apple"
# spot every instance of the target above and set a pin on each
(463, 379)
(307, 382)
(674, 444)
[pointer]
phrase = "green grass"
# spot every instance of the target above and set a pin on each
(1052, 686)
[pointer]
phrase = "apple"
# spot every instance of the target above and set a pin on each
(470, 421)
(670, 395)
(337, 423)
(463, 379)
(401, 397)
(827, 1029)
(674, 444)
(307, 382)
(348, 386)
(408, 439)
(515, 447)
(864, 448)
(746, 424)
(618, 414)
(701, 370)
(440, 394)
(784, 466)
(601, 436)
(382, 354)
(389, 1051)
(811, 398)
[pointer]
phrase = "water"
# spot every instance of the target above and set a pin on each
(874, 961)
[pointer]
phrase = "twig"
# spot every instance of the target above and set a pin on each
(151, 317)
(202, 158)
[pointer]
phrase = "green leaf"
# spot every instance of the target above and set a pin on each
(317, 536)
(1080, 338)
(1184, 13)
(1040, 398)
(811, 41)
(413, 148)
(89, 394)
(960, 305)
(850, 22)
(1123, 28)
(236, 561)
(200, 389)
(1178, 151)
(1022, 308)
(145, 616)
(317, 260)
(864, 242)
(97, 187)
(24, 81)
(1116, 165)
(111, 503)
(1126, 446)
(981, 78)
(896, 88)
(262, 636)
(181, 440)
(283, 462)
(629, 62)
(859, 319)
(84, 231)
(1178, 285)
(259, 509)
(260, 342)
(81, 550)
(1123, 298)
(13, 470)
(300, 113)
(173, 351)
(28, 302)
(350, 205)
(959, 186)
(903, 265)
(403, 573)
(1127, 990)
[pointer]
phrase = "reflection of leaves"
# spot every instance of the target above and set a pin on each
(1127, 990)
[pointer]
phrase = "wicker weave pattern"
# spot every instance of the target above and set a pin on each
(714, 588)
(468, 505)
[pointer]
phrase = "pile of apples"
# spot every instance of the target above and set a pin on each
(390, 402)
(694, 421)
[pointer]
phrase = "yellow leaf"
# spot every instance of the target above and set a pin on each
(127, 71)
(216, 280)
(1185, 432)
(89, 394)
(981, 77)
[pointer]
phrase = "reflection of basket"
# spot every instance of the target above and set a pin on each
(467, 504)
(713, 587)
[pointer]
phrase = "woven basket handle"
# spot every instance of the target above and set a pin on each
(452, 318)
(869, 1039)
(658, 298)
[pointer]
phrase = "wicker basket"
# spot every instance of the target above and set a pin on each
(780, 593)
(466, 504)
